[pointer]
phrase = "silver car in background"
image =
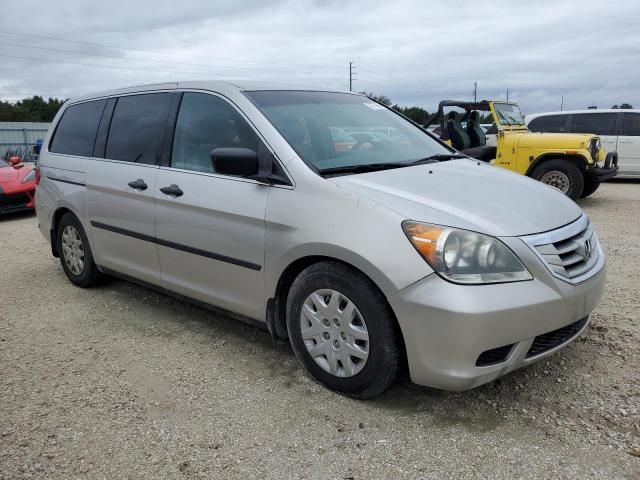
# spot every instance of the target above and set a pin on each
(384, 252)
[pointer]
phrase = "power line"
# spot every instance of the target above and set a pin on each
(129, 68)
(35, 47)
(24, 94)
(100, 66)
(154, 52)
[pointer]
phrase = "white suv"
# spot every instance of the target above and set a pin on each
(619, 131)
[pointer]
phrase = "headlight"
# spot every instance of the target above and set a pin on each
(461, 256)
(594, 147)
(29, 177)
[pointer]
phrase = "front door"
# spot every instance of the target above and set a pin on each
(120, 187)
(210, 228)
(629, 144)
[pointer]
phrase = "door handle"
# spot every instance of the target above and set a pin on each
(172, 190)
(138, 184)
(625, 141)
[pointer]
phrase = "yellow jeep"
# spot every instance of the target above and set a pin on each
(566, 161)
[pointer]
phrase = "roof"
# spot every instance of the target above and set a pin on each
(213, 85)
(591, 110)
(481, 105)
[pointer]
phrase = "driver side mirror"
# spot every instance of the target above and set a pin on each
(14, 161)
(240, 162)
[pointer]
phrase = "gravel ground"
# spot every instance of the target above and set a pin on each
(121, 382)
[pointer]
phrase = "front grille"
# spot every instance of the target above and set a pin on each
(17, 200)
(570, 252)
(547, 341)
(594, 148)
(494, 356)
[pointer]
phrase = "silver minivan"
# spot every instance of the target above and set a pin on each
(371, 250)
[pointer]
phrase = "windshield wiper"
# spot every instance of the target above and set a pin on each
(372, 167)
(363, 168)
(440, 157)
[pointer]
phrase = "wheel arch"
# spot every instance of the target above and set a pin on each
(276, 305)
(55, 221)
(578, 160)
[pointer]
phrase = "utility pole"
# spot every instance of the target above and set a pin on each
(561, 102)
(351, 75)
(475, 91)
(507, 94)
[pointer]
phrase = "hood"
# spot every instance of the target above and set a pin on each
(9, 174)
(553, 140)
(466, 194)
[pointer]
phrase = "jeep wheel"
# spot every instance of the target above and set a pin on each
(561, 174)
(590, 186)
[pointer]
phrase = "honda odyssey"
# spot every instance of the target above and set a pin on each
(387, 251)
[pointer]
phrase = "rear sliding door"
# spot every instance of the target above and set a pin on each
(120, 186)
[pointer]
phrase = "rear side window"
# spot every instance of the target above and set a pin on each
(631, 124)
(549, 123)
(596, 123)
(77, 129)
(137, 128)
(206, 122)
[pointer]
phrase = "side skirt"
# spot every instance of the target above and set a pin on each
(207, 306)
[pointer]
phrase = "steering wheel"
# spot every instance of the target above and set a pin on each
(360, 144)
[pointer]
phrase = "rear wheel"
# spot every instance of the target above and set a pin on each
(342, 330)
(561, 174)
(75, 252)
(591, 184)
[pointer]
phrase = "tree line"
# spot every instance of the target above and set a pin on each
(37, 109)
(34, 109)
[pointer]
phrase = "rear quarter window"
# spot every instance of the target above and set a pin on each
(76, 131)
(631, 124)
(595, 123)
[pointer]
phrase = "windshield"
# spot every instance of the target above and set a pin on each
(508, 114)
(3, 163)
(338, 130)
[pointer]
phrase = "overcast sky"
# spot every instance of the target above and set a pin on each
(415, 52)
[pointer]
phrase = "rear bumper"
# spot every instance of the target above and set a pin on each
(608, 171)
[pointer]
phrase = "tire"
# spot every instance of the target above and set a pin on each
(590, 186)
(561, 174)
(77, 262)
(370, 314)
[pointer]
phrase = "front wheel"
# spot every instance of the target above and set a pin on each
(561, 174)
(343, 331)
(591, 184)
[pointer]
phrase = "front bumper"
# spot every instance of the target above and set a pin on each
(458, 337)
(16, 201)
(608, 171)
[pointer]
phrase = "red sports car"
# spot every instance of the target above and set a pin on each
(17, 185)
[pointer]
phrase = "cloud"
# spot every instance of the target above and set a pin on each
(415, 52)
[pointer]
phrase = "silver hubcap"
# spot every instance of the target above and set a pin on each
(72, 250)
(334, 333)
(557, 179)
